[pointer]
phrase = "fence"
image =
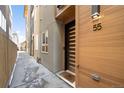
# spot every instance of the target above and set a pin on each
(8, 52)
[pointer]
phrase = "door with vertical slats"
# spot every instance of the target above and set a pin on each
(70, 46)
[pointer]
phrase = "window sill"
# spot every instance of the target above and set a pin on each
(44, 52)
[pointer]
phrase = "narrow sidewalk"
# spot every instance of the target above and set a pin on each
(29, 74)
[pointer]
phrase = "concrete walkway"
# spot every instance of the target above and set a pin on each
(29, 74)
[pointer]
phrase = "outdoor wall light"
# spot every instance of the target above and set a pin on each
(95, 15)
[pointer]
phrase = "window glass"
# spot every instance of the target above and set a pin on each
(95, 9)
(46, 36)
(43, 36)
(2, 21)
(43, 48)
(5, 24)
(0, 18)
(46, 48)
(45, 42)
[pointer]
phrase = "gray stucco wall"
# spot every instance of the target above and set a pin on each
(58, 47)
(54, 59)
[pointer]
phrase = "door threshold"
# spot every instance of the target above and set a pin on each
(67, 76)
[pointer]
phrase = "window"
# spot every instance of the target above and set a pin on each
(5, 24)
(0, 18)
(95, 11)
(43, 35)
(45, 42)
(2, 21)
(46, 38)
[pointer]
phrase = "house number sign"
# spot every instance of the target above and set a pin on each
(97, 27)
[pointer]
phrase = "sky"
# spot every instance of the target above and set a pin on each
(18, 21)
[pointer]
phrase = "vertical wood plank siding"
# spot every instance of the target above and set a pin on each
(100, 52)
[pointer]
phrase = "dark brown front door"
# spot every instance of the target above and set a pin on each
(70, 46)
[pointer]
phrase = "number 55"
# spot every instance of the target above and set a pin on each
(97, 27)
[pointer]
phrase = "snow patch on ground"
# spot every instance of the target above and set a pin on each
(29, 74)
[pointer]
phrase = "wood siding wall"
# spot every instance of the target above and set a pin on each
(8, 51)
(100, 52)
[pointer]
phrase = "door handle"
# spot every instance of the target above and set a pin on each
(95, 77)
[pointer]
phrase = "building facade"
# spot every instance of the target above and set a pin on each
(23, 46)
(15, 39)
(6, 19)
(28, 32)
(82, 44)
(32, 30)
